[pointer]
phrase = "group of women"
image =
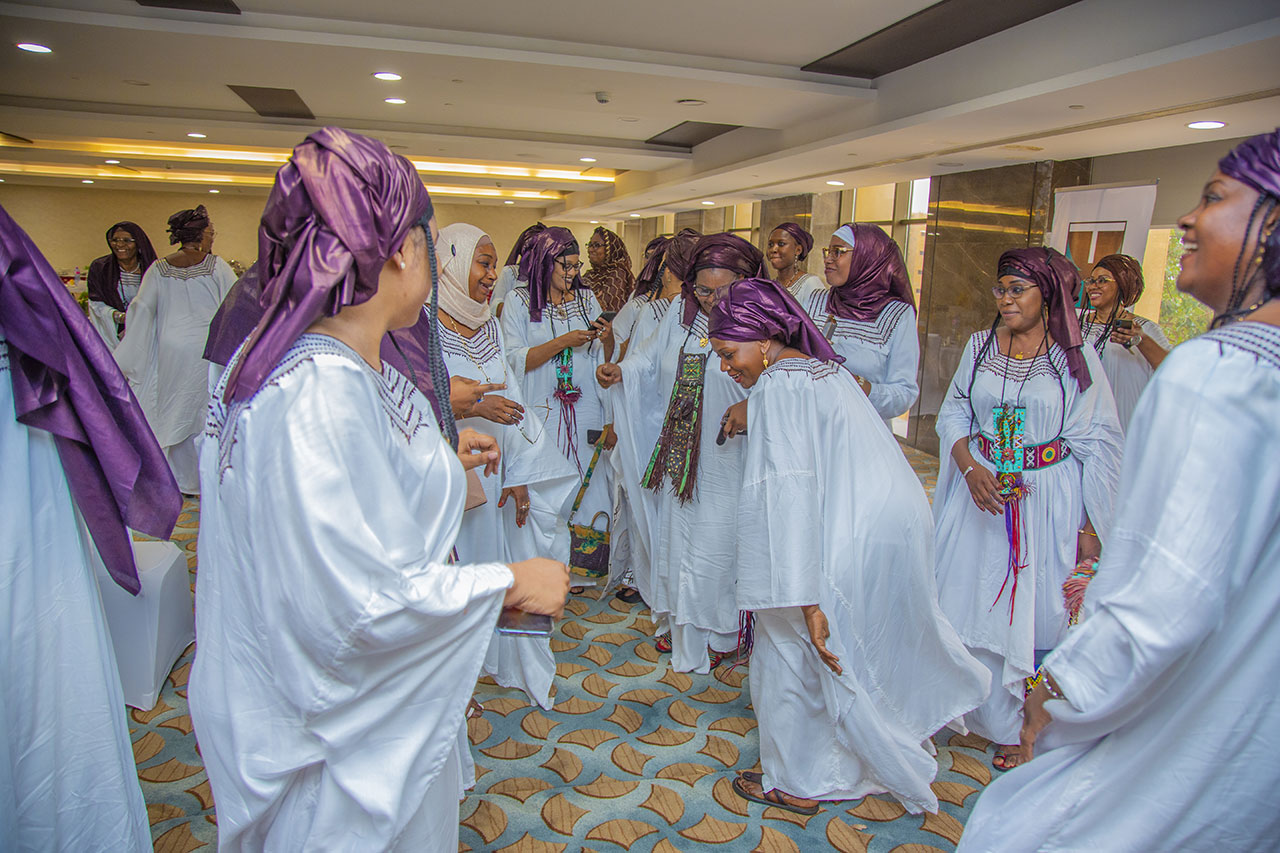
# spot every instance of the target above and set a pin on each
(386, 465)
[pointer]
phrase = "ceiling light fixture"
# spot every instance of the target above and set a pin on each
(198, 135)
(1075, 106)
(1206, 125)
(215, 192)
(32, 47)
(387, 75)
(586, 159)
(508, 202)
(112, 162)
(136, 83)
(396, 101)
(691, 102)
(635, 216)
(949, 164)
(86, 181)
(627, 118)
(594, 222)
(835, 183)
(709, 203)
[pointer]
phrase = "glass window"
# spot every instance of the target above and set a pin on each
(874, 204)
(919, 199)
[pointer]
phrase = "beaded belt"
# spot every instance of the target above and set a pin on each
(1033, 457)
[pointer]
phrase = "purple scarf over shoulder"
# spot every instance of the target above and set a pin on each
(718, 251)
(103, 281)
(760, 309)
(339, 209)
(877, 276)
(66, 382)
(1059, 281)
(537, 265)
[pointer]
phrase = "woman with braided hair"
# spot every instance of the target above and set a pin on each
(166, 327)
(1152, 723)
(1131, 347)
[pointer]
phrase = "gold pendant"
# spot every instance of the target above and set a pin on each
(702, 342)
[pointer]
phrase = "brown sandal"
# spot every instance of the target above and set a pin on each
(772, 798)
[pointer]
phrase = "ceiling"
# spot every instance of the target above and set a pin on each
(504, 98)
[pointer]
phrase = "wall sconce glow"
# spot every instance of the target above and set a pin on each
(32, 47)
(387, 75)
(198, 135)
(112, 162)
(1206, 125)
(586, 159)
(396, 101)
(86, 181)
(835, 183)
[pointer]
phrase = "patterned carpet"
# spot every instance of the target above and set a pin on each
(632, 757)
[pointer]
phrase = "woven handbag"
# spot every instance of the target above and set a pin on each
(588, 545)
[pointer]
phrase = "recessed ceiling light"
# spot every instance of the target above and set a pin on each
(709, 203)
(586, 159)
(136, 83)
(1206, 125)
(215, 192)
(691, 102)
(508, 202)
(396, 101)
(1075, 106)
(627, 118)
(86, 181)
(32, 47)
(198, 135)
(1, 180)
(635, 216)
(457, 80)
(594, 222)
(949, 164)
(835, 183)
(387, 75)
(112, 162)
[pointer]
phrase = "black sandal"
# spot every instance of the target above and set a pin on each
(776, 800)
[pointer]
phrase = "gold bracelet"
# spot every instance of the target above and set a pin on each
(1087, 532)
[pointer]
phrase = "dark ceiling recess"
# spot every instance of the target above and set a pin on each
(932, 31)
(687, 134)
(273, 103)
(225, 7)
(13, 137)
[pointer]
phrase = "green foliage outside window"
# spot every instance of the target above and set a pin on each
(1181, 317)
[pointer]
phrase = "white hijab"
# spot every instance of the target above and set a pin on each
(457, 250)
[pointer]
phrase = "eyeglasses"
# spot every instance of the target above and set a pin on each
(834, 252)
(122, 241)
(570, 268)
(1016, 291)
(595, 245)
(703, 292)
(1100, 279)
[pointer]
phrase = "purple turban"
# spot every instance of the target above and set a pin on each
(1256, 162)
(1058, 280)
(723, 252)
(759, 309)
(66, 383)
(649, 273)
(104, 273)
(522, 242)
(537, 264)
(802, 237)
(187, 226)
(877, 275)
(339, 209)
(671, 252)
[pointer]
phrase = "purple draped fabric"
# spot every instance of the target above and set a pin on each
(1059, 281)
(877, 276)
(523, 241)
(718, 251)
(1256, 162)
(103, 281)
(760, 309)
(187, 226)
(66, 382)
(339, 209)
(649, 273)
(537, 264)
(801, 236)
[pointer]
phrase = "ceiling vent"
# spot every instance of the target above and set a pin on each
(223, 7)
(687, 134)
(274, 103)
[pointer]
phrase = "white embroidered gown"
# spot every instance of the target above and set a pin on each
(1128, 370)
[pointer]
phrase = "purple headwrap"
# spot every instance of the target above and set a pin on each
(339, 209)
(187, 226)
(1256, 162)
(718, 251)
(522, 242)
(760, 309)
(802, 237)
(537, 265)
(65, 382)
(104, 273)
(877, 275)
(1058, 280)
(649, 273)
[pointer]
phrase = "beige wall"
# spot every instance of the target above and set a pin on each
(69, 223)
(1181, 170)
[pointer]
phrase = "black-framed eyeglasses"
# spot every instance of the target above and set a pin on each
(122, 241)
(1016, 291)
(836, 252)
(570, 268)
(703, 292)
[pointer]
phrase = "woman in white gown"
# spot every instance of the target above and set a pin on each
(1157, 715)
(1026, 482)
(526, 501)
(1131, 347)
(555, 338)
(854, 666)
(868, 313)
(167, 325)
(788, 248)
(338, 649)
(74, 446)
(691, 529)
(114, 278)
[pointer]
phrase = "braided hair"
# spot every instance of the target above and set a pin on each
(1263, 262)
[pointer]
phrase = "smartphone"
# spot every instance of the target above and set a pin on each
(1124, 324)
(515, 621)
(606, 317)
(593, 436)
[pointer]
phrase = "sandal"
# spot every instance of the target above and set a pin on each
(628, 594)
(753, 777)
(1000, 761)
(663, 643)
(577, 590)
(771, 798)
(474, 709)
(716, 657)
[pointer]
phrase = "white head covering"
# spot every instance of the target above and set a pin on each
(845, 233)
(457, 250)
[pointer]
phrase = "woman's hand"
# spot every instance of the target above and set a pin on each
(520, 494)
(604, 331)
(500, 410)
(465, 393)
(1034, 719)
(541, 586)
(476, 449)
(610, 438)
(1088, 544)
(734, 420)
(575, 338)
(608, 374)
(863, 384)
(984, 489)
(819, 632)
